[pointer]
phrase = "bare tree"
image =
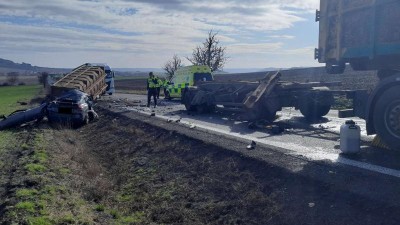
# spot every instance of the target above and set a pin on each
(12, 78)
(210, 53)
(172, 65)
(42, 77)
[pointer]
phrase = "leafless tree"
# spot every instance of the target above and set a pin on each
(12, 78)
(210, 53)
(42, 77)
(172, 65)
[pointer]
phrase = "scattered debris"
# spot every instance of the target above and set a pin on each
(275, 129)
(252, 145)
(23, 116)
(252, 126)
(22, 103)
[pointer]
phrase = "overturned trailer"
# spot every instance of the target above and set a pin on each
(260, 100)
(87, 78)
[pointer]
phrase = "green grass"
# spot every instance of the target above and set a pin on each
(26, 206)
(6, 138)
(35, 168)
(26, 193)
(11, 95)
(39, 221)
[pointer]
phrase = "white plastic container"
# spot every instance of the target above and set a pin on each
(350, 136)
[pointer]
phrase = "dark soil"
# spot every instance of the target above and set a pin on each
(169, 178)
(121, 170)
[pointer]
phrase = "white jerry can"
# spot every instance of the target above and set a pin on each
(350, 136)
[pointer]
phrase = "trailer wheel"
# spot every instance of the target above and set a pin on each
(187, 97)
(387, 117)
(205, 108)
(314, 105)
(168, 96)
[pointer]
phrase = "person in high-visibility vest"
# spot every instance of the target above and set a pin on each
(165, 86)
(152, 83)
(159, 85)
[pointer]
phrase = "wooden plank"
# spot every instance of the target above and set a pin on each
(265, 88)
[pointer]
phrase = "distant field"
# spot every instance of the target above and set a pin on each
(28, 80)
(130, 77)
(11, 95)
(133, 85)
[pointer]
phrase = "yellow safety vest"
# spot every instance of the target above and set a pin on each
(159, 82)
(153, 82)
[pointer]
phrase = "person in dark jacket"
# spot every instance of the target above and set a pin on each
(152, 83)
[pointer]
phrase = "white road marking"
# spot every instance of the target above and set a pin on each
(295, 150)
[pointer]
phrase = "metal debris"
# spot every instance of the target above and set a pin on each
(252, 145)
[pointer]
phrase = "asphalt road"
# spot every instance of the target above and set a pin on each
(313, 142)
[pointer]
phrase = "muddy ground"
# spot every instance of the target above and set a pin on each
(122, 170)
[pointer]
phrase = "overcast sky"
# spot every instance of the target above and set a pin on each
(147, 33)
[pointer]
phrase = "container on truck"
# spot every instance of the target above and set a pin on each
(365, 34)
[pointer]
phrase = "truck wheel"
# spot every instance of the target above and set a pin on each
(168, 96)
(187, 98)
(387, 117)
(201, 108)
(204, 108)
(382, 74)
(315, 105)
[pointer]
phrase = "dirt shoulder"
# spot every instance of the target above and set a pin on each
(127, 168)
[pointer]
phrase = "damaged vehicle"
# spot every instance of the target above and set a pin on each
(73, 107)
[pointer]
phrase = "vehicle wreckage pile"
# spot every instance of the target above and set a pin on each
(70, 100)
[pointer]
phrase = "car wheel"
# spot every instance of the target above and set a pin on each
(86, 120)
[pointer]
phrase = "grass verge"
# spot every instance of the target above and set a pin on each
(10, 96)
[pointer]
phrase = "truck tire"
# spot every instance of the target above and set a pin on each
(205, 108)
(168, 96)
(387, 117)
(314, 105)
(382, 74)
(187, 97)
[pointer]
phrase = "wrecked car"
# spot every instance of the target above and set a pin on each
(73, 107)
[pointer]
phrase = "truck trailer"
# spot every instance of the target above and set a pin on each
(365, 34)
(88, 78)
(260, 100)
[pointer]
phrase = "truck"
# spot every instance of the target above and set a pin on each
(260, 100)
(89, 78)
(365, 34)
(187, 76)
